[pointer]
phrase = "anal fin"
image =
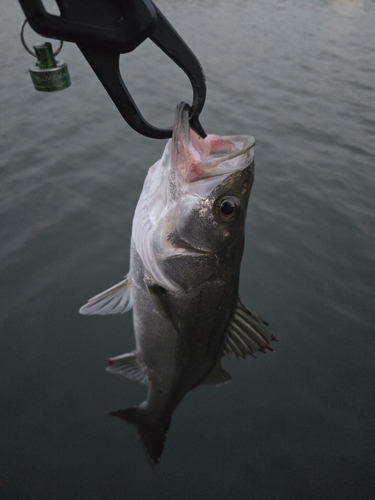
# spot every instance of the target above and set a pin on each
(127, 365)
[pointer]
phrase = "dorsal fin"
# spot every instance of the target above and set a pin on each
(128, 366)
(116, 299)
(246, 333)
(217, 376)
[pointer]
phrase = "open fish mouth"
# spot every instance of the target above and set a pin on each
(196, 159)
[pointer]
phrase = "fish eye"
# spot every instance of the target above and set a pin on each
(227, 208)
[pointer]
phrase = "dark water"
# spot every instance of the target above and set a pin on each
(297, 424)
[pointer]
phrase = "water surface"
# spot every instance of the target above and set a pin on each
(297, 424)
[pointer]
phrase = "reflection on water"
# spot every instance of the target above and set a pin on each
(300, 78)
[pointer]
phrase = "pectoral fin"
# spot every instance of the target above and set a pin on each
(246, 333)
(116, 299)
(128, 366)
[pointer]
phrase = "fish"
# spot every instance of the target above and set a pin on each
(186, 249)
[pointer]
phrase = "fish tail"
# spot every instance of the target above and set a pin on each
(153, 435)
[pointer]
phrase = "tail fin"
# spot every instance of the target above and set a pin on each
(152, 436)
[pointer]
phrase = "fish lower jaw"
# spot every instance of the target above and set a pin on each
(183, 251)
(179, 246)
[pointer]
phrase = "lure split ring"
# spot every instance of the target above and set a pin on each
(28, 49)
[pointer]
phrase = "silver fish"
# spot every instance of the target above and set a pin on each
(186, 249)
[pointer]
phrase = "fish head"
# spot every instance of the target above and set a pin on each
(195, 202)
(211, 221)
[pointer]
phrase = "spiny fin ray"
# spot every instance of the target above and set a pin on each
(246, 333)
